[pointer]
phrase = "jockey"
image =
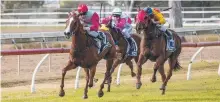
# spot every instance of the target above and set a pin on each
(158, 19)
(122, 22)
(90, 20)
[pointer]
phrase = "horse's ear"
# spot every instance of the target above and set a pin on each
(146, 17)
(69, 13)
(139, 8)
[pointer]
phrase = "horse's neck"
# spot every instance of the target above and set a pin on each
(117, 37)
(79, 41)
(151, 31)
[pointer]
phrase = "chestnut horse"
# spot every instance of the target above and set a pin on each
(122, 48)
(153, 47)
(84, 53)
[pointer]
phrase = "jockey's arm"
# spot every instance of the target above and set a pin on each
(159, 19)
(162, 21)
(95, 22)
(121, 23)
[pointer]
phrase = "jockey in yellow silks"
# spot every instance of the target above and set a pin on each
(158, 19)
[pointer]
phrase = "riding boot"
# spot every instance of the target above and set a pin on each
(169, 34)
(104, 44)
(170, 38)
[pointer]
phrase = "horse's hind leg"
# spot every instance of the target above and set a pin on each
(92, 74)
(109, 67)
(163, 77)
(107, 76)
(69, 66)
(87, 82)
(130, 64)
(172, 63)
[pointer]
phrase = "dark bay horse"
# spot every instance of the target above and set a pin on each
(122, 48)
(153, 47)
(84, 53)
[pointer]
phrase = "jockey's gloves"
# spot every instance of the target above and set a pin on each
(82, 22)
(86, 28)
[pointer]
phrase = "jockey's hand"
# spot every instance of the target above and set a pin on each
(155, 22)
(116, 47)
(82, 22)
(86, 28)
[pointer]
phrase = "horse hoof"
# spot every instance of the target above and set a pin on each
(133, 74)
(100, 94)
(108, 90)
(153, 80)
(85, 97)
(96, 80)
(138, 85)
(62, 93)
(163, 92)
(90, 85)
(162, 87)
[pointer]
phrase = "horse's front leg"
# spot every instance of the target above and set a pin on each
(130, 64)
(69, 66)
(142, 59)
(159, 64)
(115, 64)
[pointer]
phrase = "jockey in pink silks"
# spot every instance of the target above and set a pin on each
(122, 22)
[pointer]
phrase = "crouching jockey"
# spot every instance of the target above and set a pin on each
(158, 19)
(123, 22)
(90, 20)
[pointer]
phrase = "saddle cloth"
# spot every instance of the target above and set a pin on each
(132, 49)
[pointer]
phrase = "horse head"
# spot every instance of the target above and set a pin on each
(115, 32)
(73, 25)
(142, 21)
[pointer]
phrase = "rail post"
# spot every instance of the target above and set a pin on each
(77, 78)
(35, 72)
(118, 75)
(191, 61)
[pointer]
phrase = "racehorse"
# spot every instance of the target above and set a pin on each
(122, 48)
(84, 53)
(153, 47)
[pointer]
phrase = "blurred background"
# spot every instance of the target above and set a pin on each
(56, 10)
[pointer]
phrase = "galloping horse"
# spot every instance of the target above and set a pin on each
(153, 47)
(84, 53)
(122, 48)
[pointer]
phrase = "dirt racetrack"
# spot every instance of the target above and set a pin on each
(9, 66)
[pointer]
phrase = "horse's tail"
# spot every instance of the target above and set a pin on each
(177, 66)
(177, 52)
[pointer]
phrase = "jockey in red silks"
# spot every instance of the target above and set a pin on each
(90, 20)
(122, 22)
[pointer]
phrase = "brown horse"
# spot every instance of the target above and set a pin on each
(122, 48)
(153, 47)
(84, 53)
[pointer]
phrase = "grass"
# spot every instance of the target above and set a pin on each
(204, 87)
(204, 90)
